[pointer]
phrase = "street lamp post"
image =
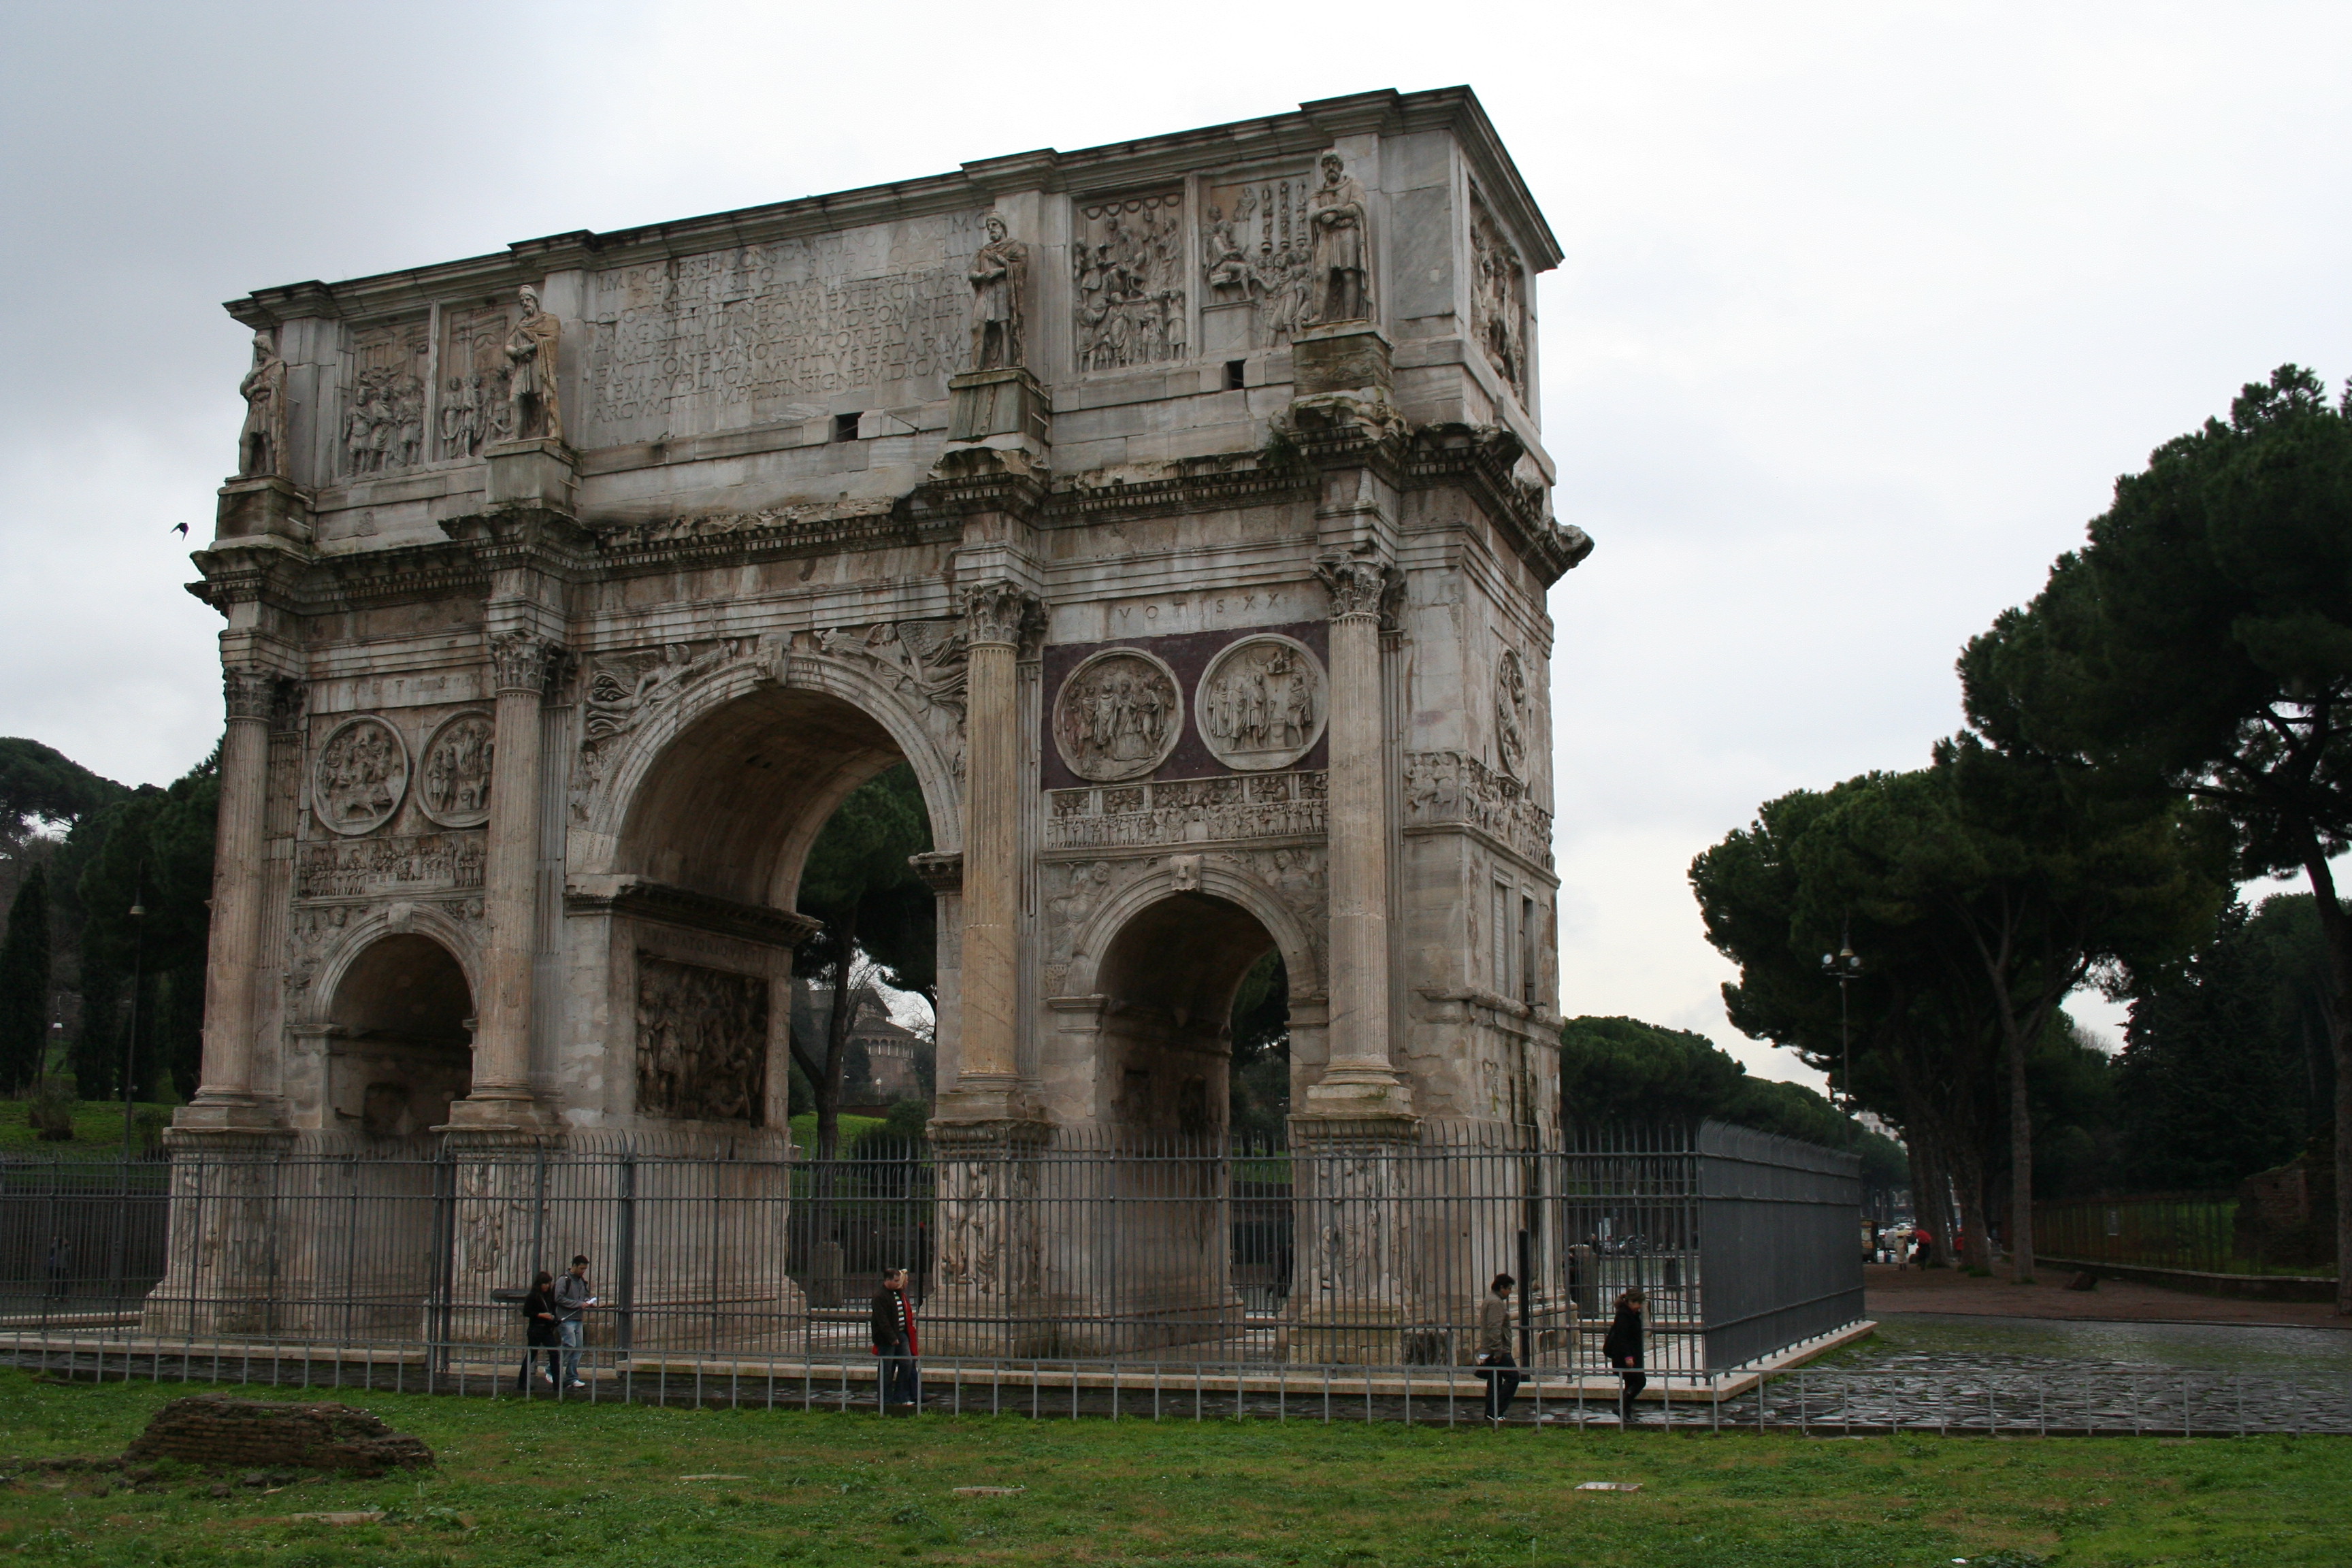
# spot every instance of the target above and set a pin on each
(131, 1036)
(1844, 968)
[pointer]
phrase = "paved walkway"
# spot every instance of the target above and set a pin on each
(1890, 1289)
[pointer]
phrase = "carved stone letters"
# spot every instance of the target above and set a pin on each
(702, 1043)
(360, 776)
(1127, 258)
(1261, 703)
(1119, 715)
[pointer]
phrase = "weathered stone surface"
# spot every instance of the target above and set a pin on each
(1177, 510)
(220, 1433)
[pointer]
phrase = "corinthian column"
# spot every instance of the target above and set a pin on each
(521, 665)
(1360, 1080)
(997, 614)
(233, 956)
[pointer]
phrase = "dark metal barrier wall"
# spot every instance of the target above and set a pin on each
(1777, 1226)
(1195, 1251)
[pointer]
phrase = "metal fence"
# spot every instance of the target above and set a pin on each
(2190, 1232)
(1201, 1253)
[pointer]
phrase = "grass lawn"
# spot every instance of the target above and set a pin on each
(608, 1485)
(97, 1129)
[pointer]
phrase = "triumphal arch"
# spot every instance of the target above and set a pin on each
(1176, 510)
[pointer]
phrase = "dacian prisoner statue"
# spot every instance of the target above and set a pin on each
(1198, 572)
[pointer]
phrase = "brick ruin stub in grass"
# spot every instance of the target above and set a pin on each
(216, 1431)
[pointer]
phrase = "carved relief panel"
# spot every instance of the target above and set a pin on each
(1128, 274)
(1511, 713)
(454, 782)
(382, 427)
(477, 410)
(1119, 715)
(1256, 263)
(702, 1042)
(360, 776)
(1261, 703)
(1498, 298)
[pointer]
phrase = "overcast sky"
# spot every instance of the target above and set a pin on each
(1864, 307)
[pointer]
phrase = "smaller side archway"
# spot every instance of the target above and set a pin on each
(402, 1030)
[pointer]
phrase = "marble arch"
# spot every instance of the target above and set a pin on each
(1302, 561)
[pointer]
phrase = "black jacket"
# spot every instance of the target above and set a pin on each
(1624, 1345)
(889, 1320)
(539, 1330)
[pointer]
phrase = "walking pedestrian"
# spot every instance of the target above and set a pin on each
(1622, 1347)
(1497, 1364)
(60, 1267)
(572, 1300)
(895, 1342)
(539, 1317)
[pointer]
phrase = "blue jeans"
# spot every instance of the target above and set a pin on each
(570, 1331)
(902, 1380)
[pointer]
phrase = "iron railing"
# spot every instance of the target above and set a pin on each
(1077, 1247)
(2187, 1232)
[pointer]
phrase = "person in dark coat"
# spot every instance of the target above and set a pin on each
(896, 1343)
(539, 1317)
(1623, 1350)
(1494, 1349)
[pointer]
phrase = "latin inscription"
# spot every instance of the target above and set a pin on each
(766, 324)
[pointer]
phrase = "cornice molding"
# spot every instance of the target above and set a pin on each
(666, 905)
(1299, 133)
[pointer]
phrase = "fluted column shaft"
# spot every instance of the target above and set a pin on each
(233, 953)
(1360, 1075)
(520, 664)
(997, 614)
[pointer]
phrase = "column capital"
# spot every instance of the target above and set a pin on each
(523, 662)
(249, 695)
(1362, 586)
(1002, 611)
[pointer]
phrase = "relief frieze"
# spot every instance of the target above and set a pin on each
(369, 867)
(1186, 810)
(702, 1042)
(1445, 788)
(1127, 258)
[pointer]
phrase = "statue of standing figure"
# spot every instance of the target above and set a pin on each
(1000, 276)
(531, 349)
(1342, 274)
(261, 445)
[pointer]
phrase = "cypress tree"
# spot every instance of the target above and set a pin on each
(25, 983)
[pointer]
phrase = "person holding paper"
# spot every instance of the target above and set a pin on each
(572, 1300)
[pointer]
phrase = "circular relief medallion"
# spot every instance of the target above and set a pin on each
(1117, 716)
(453, 782)
(1261, 703)
(362, 772)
